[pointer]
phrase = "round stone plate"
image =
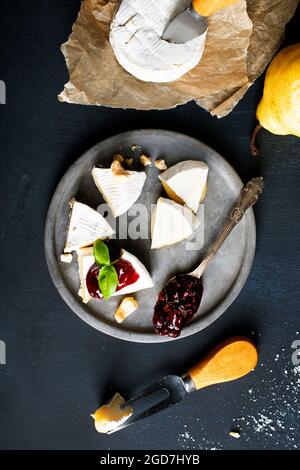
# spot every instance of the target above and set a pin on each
(226, 274)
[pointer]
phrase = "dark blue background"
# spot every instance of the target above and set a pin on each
(58, 369)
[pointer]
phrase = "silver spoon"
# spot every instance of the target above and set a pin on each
(180, 299)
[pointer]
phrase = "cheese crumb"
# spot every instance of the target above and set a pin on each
(71, 203)
(129, 161)
(66, 258)
(145, 161)
(161, 165)
(126, 308)
(234, 434)
(113, 414)
(118, 158)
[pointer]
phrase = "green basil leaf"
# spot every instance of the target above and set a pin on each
(101, 253)
(108, 281)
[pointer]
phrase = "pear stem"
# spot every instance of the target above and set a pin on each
(253, 149)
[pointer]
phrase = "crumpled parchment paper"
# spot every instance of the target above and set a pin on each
(241, 41)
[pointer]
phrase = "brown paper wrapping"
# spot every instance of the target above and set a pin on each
(241, 41)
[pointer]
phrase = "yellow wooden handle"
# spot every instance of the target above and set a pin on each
(230, 360)
(209, 7)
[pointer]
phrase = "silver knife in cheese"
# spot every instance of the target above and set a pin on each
(186, 183)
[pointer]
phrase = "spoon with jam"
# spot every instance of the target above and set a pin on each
(180, 299)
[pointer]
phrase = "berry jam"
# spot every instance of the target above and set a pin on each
(127, 275)
(92, 282)
(177, 304)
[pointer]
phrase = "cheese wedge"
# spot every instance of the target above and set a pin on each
(186, 183)
(86, 226)
(86, 260)
(120, 191)
(136, 38)
(110, 416)
(171, 223)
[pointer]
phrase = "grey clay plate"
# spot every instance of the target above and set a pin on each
(223, 279)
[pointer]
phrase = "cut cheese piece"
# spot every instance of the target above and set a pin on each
(120, 191)
(86, 260)
(136, 38)
(110, 416)
(86, 226)
(171, 223)
(186, 183)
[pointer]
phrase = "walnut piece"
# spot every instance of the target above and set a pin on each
(161, 165)
(126, 308)
(145, 161)
(129, 161)
(118, 158)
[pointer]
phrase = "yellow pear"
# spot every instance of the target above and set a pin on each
(279, 108)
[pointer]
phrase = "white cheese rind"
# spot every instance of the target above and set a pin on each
(171, 223)
(120, 192)
(187, 179)
(86, 260)
(85, 227)
(135, 37)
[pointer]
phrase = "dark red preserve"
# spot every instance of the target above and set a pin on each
(176, 305)
(127, 275)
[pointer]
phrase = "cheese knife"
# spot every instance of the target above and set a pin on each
(229, 361)
(192, 22)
